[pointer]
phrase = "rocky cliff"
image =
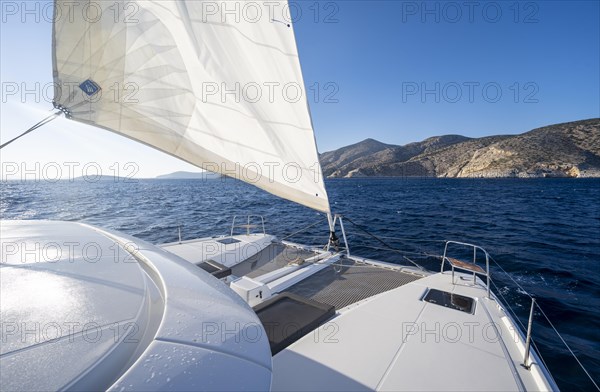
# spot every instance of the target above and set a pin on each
(562, 150)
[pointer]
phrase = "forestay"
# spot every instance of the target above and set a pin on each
(217, 84)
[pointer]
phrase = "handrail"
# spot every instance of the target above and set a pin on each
(247, 226)
(475, 248)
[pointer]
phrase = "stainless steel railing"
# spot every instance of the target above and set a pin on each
(454, 263)
(248, 226)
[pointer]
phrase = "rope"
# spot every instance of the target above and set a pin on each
(33, 128)
(382, 242)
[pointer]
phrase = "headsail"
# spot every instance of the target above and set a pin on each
(217, 84)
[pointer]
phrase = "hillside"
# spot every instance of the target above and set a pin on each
(562, 150)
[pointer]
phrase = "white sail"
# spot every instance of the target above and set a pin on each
(217, 84)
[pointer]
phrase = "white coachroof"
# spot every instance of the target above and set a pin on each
(83, 308)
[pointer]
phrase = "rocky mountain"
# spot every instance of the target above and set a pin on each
(562, 150)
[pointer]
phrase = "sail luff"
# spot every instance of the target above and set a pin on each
(181, 82)
(314, 137)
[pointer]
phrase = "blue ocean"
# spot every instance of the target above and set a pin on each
(545, 233)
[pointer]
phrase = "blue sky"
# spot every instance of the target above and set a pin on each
(486, 68)
(379, 47)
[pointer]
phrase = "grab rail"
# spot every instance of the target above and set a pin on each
(248, 226)
(455, 263)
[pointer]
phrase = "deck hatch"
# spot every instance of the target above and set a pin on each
(450, 300)
(227, 241)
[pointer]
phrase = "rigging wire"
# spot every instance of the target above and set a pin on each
(523, 328)
(569, 348)
(33, 128)
(401, 238)
(511, 278)
(381, 241)
(523, 291)
(302, 230)
(515, 317)
(400, 251)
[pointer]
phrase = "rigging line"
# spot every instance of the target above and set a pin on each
(549, 322)
(569, 348)
(340, 264)
(301, 230)
(33, 128)
(404, 238)
(414, 262)
(511, 278)
(399, 251)
(499, 292)
(523, 328)
(380, 240)
(415, 252)
(307, 237)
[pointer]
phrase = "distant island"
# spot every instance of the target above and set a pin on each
(183, 175)
(99, 178)
(562, 150)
